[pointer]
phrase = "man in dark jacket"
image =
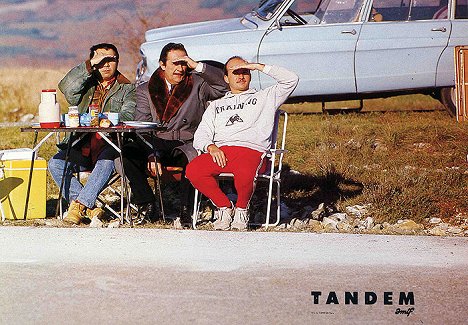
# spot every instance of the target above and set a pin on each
(93, 82)
(175, 97)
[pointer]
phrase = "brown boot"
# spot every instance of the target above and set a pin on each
(96, 212)
(76, 213)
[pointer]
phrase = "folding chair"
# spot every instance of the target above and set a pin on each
(169, 174)
(271, 175)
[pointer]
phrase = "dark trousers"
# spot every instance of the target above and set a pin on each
(135, 160)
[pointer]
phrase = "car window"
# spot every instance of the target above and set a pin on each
(428, 10)
(461, 10)
(339, 11)
(404, 10)
(391, 10)
(305, 9)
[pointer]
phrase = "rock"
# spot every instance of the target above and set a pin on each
(294, 172)
(96, 223)
(319, 213)
(405, 227)
(356, 223)
(377, 227)
(369, 223)
(454, 230)
(330, 227)
(178, 224)
(339, 217)
(344, 226)
(315, 225)
(437, 231)
(27, 118)
(409, 225)
(114, 224)
(435, 220)
(357, 211)
(328, 221)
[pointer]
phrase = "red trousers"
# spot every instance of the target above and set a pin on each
(243, 163)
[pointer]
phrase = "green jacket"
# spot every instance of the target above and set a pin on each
(78, 87)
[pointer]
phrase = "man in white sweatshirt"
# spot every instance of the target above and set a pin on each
(234, 134)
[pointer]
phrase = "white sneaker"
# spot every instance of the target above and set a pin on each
(241, 218)
(223, 218)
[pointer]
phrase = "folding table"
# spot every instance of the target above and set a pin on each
(105, 133)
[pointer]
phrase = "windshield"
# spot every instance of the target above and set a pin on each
(267, 8)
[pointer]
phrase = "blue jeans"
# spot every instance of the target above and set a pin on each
(72, 188)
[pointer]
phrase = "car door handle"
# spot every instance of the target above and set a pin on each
(440, 29)
(353, 32)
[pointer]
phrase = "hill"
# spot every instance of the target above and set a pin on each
(57, 33)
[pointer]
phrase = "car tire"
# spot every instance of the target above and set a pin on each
(447, 98)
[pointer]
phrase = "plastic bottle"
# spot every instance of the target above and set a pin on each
(49, 109)
(73, 117)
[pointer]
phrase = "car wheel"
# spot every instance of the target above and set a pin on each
(447, 98)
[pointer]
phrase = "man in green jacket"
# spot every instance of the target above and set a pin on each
(94, 82)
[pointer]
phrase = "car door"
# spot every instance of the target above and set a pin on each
(403, 49)
(458, 36)
(321, 52)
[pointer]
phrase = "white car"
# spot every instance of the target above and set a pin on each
(341, 49)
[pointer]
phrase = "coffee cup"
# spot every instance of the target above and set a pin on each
(113, 118)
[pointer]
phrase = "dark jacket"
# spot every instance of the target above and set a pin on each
(207, 85)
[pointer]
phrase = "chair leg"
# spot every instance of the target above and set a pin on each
(278, 200)
(196, 208)
(268, 212)
(157, 181)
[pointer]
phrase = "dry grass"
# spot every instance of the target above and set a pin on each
(20, 90)
(406, 164)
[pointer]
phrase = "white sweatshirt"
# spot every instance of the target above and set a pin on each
(245, 119)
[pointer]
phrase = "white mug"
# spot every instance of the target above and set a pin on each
(113, 118)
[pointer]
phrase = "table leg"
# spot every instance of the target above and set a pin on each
(67, 157)
(31, 169)
(124, 188)
(158, 181)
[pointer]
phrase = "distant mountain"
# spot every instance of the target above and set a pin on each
(60, 32)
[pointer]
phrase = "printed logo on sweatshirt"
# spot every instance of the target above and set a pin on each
(234, 119)
(220, 109)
